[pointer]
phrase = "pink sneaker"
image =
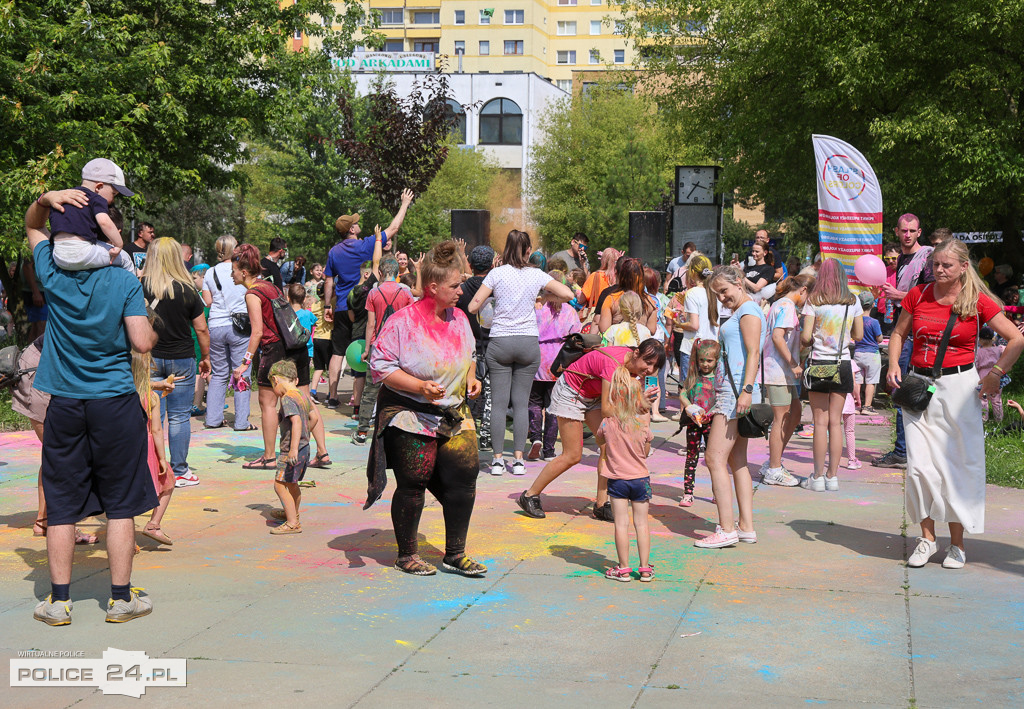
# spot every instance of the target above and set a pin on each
(854, 464)
(718, 540)
(687, 501)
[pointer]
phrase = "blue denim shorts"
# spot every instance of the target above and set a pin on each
(637, 490)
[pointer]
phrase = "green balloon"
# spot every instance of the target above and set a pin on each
(354, 355)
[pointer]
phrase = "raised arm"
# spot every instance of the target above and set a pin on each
(396, 223)
(378, 251)
(39, 211)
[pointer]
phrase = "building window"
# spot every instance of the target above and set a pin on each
(460, 46)
(425, 45)
(456, 116)
(564, 84)
(485, 16)
(595, 27)
(620, 26)
(391, 16)
(620, 56)
(567, 28)
(430, 17)
(570, 3)
(595, 56)
(485, 48)
(595, 2)
(515, 17)
(513, 46)
(394, 45)
(501, 123)
(460, 17)
(298, 34)
(567, 56)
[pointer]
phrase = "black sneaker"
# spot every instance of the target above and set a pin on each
(359, 438)
(890, 460)
(531, 505)
(332, 403)
(604, 512)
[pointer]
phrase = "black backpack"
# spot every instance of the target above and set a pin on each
(390, 309)
(10, 372)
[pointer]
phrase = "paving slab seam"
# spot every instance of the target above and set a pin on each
(454, 618)
(671, 637)
(906, 605)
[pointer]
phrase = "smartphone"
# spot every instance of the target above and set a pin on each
(735, 257)
(650, 382)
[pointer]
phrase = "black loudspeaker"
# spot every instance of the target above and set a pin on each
(473, 225)
(648, 238)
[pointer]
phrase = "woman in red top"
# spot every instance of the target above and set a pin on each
(945, 443)
(245, 271)
(581, 395)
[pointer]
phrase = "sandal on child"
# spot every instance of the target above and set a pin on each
(287, 528)
(619, 573)
(646, 573)
(84, 537)
(278, 515)
(261, 463)
(687, 501)
(322, 460)
(464, 565)
(250, 427)
(416, 566)
(156, 534)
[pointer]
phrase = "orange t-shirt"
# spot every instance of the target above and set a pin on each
(594, 285)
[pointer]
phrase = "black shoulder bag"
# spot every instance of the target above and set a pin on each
(915, 391)
(756, 423)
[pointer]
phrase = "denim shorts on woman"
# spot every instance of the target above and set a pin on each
(568, 403)
(636, 490)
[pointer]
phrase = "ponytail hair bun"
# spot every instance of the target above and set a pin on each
(440, 262)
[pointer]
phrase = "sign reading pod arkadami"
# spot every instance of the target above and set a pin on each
(387, 61)
(849, 204)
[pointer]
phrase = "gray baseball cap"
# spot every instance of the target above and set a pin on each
(103, 170)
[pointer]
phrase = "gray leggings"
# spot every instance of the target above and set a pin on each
(511, 363)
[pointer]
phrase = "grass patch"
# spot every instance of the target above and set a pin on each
(10, 420)
(1005, 451)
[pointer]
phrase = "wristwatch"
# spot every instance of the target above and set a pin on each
(748, 389)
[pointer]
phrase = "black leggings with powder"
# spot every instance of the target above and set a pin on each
(447, 467)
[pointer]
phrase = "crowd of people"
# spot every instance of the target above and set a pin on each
(442, 349)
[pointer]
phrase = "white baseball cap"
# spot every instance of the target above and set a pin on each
(103, 170)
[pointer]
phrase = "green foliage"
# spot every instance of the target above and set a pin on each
(937, 115)
(463, 182)
(605, 153)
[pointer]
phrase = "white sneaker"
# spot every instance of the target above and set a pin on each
(815, 484)
(764, 468)
(186, 480)
(497, 467)
(924, 551)
(747, 537)
(518, 467)
(778, 476)
(955, 558)
(832, 483)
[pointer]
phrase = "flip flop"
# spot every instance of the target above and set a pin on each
(83, 538)
(322, 460)
(261, 463)
(251, 428)
(157, 535)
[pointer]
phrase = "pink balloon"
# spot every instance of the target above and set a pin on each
(870, 270)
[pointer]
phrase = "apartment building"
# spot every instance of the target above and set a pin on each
(549, 38)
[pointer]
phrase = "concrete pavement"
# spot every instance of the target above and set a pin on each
(820, 611)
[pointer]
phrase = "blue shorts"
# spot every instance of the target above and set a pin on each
(95, 459)
(289, 472)
(637, 490)
(37, 314)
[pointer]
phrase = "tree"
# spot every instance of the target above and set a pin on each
(402, 142)
(604, 154)
(171, 90)
(936, 114)
(463, 182)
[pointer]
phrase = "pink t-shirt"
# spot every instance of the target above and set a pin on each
(552, 328)
(986, 358)
(625, 451)
(397, 294)
(585, 375)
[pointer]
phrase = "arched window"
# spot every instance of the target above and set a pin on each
(456, 115)
(501, 123)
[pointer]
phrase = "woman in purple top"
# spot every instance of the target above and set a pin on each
(554, 321)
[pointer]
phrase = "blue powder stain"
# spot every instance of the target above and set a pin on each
(462, 601)
(767, 673)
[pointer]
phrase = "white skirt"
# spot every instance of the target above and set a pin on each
(946, 455)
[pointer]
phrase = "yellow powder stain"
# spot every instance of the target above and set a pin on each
(403, 642)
